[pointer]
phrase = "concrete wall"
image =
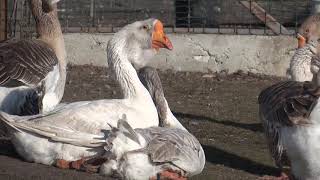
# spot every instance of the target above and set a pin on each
(198, 52)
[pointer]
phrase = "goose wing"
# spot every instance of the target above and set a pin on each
(25, 61)
(76, 123)
(285, 104)
(176, 146)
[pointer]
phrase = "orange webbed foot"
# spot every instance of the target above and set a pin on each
(63, 164)
(168, 175)
(283, 176)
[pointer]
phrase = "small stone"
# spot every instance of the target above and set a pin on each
(208, 76)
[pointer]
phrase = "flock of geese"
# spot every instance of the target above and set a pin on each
(138, 137)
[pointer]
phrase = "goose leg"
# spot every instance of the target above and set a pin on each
(168, 175)
(77, 164)
(283, 176)
(90, 164)
(63, 164)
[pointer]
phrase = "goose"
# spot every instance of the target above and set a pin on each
(300, 62)
(309, 28)
(33, 71)
(300, 68)
(289, 112)
(65, 134)
(169, 151)
(151, 80)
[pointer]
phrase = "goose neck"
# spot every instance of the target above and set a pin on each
(171, 120)
(124, 72)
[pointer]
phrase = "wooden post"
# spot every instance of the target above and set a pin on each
(3, 19)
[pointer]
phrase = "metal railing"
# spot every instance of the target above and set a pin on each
(194, 16)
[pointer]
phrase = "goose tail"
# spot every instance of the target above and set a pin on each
(122, 133)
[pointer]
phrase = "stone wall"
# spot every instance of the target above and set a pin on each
(268, 55)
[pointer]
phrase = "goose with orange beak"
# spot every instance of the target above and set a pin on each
(159, 39)
(308, 29)
(301, 40)
(74, 131)
(300, 63)
(165, 152)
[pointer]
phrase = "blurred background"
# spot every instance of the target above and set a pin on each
(261, 17)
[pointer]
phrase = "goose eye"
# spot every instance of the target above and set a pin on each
(145, 27)
(318, 40)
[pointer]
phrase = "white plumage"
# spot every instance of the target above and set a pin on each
(141, 154)
(64, 132)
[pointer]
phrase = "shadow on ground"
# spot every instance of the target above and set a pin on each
(7, 149)
(256, 127)
(217, 156)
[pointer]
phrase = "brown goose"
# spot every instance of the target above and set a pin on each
(289, 112)
(33, 72)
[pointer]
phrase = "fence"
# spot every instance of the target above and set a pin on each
(265, 17)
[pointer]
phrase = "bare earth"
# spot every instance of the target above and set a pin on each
(221, 111)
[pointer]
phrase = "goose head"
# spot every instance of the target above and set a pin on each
(308, 29)
(49, 5)
(39, 7)
(140, 41)
(46, 18)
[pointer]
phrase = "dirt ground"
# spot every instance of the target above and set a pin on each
(220, 110)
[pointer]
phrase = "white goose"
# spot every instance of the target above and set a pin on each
(169, 151)
(290, 114)
(43, 138)
(33, 72)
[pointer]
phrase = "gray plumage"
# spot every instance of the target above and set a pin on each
(35, 63)
(171, 145)
(27, 61)
(301, 61)
(166, 147)
(285, 104)
(289, 103)
(151, 81)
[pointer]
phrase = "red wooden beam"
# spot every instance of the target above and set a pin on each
(266, 18)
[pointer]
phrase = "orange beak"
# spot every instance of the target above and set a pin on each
(159, 38)
(301, 40)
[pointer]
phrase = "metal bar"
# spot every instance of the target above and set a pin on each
(67, 16)
(92, 8)
(296, 19)
(251, 17)
(3, 19)
(189, 15)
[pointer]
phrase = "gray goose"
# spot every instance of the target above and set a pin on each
(33, 71)
(168, 151)
(300, 67)
(289, 112)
